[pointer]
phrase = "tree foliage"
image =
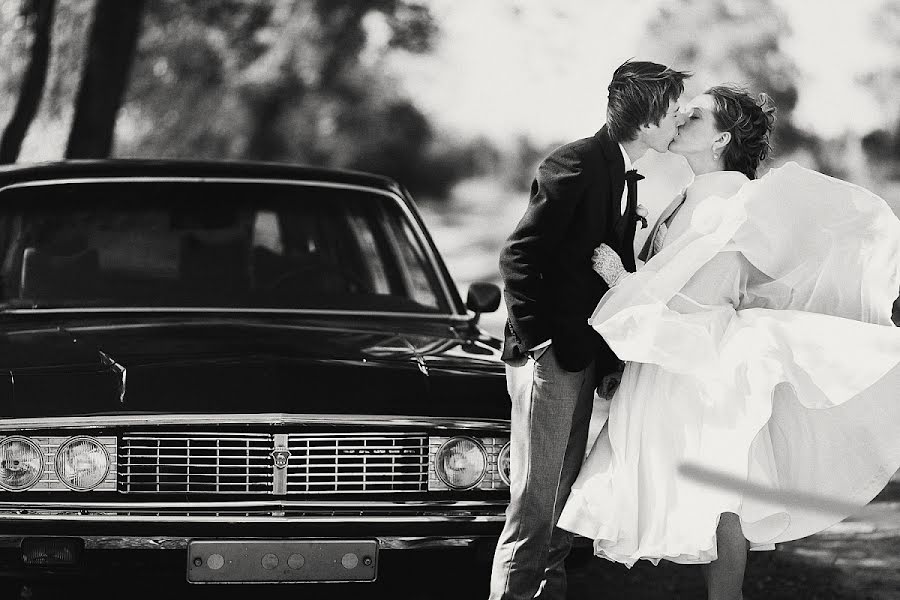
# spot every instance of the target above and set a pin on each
(283, 80)
(883, 145)
(733, 41)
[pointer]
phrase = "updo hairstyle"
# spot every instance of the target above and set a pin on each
(749, 121)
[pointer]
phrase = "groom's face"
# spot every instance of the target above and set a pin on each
(658, 136)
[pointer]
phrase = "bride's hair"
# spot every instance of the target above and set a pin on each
(749, 120)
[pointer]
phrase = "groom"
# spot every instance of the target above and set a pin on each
(579, 199)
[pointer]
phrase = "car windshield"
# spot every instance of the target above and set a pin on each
(212, 244)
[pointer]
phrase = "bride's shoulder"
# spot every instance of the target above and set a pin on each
(732, 181)
(718, 183)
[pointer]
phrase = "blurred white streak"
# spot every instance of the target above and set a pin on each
(786, 498)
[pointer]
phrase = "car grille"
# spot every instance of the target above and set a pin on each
(196, 463)
(355, 463)
(217, 463)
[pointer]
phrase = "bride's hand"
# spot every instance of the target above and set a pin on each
(609, 384)
(608, 265)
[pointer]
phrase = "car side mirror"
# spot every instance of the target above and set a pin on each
(483, 297)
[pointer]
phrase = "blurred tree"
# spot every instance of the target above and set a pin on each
(71, 27)
(47, 135)
(104, 78)
(524, 161)
(736, 41)
(183, 100)
(40, 14)
(882, 146)
(289, 80)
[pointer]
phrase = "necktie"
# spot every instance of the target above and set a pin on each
(631, 179)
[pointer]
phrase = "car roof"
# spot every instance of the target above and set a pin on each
(69, 169)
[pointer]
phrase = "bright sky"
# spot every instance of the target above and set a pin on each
(504, 67)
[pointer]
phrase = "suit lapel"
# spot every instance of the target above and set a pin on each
(614, 164)
(627, 218)
(622, 242)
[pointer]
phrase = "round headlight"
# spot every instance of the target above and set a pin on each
(503, 464)
(460, 463)
(82, 463)
(21, 463)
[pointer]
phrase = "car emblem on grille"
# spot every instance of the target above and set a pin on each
(280, 455)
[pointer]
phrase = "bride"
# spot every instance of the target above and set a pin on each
(758, 404)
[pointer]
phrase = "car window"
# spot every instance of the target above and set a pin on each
(212, 244)
(410, 254)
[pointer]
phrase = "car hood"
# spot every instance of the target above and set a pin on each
(324, 366)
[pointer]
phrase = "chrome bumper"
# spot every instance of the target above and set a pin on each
(171, 525)
(264, 511)
(97, 542)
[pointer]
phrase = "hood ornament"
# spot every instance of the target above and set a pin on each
(108, 361)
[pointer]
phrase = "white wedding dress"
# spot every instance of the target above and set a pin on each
(763, 374)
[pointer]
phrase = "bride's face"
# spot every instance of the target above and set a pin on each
(699, 131)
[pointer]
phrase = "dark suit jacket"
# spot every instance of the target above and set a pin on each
(551, 288)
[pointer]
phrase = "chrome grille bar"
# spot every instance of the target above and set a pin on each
(353, 463)
(195, 463)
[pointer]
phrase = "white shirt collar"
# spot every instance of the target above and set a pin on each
(628, 165)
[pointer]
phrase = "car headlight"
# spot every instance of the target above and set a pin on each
(503, 464)
(460, 463)
(21, 463)
(82, 463)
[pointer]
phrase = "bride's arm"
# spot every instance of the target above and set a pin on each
(726, 280)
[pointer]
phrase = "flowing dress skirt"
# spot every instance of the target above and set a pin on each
(763, 375)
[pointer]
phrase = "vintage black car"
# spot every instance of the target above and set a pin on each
(263, 372)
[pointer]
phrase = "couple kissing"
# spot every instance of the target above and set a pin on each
(759, 356)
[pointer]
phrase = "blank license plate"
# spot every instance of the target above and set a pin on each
(260, 561)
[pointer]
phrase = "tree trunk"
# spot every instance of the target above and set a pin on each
(41, 14)
(104, 78)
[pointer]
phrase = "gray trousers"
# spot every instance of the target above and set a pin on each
(551, 412)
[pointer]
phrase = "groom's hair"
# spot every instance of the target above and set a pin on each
(639, 94)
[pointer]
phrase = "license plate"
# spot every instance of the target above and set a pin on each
(261, 561)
